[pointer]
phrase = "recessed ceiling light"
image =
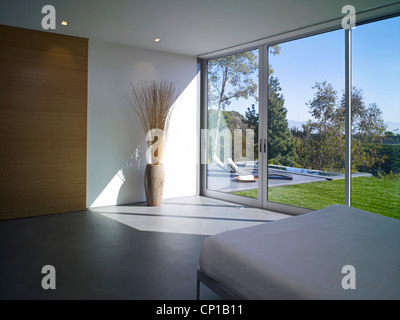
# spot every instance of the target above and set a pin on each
(158, 40)
(64, 23)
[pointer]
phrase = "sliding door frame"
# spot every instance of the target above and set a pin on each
(348, 124)
(263, 45)
(263, 129)
(204, 147)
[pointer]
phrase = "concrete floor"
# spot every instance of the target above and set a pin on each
(188, 215)
(117, 252)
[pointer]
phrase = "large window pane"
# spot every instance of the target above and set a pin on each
(376, 117)
(232, 116)
(306, 133)
(305, 125)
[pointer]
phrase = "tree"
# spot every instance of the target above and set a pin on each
(281, 144)
(324, 143)
(368, 131)
(231, 77)
(252, 123)
(324, 137)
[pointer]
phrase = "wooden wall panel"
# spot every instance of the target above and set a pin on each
(43, 121)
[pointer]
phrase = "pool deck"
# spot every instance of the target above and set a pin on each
(223, 181)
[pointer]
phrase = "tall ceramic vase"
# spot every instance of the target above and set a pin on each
(154, 183)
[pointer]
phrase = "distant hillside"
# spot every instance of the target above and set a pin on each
(297, 124)
(391, 126)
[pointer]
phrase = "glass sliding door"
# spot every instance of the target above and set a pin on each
(303, 149)
(232, 124)
(306, 128)
(376, 117)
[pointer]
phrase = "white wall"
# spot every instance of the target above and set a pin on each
(116, 150)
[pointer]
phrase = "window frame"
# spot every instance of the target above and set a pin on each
(262, 45)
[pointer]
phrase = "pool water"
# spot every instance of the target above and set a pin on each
(307, 171)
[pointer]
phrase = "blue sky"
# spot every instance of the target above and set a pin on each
(376, 68)
(376, 65)
(303, 62)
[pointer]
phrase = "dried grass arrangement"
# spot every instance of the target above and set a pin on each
(154, 102)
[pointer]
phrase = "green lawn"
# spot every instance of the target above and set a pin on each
(368, 193)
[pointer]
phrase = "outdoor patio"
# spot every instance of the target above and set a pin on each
(221, 180)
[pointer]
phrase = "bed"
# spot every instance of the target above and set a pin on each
(302, 257)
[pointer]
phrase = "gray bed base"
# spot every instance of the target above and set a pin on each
(220, 290)
(375, 238)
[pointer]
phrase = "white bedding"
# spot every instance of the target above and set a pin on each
(302, 257)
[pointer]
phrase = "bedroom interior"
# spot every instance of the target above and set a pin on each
(74, 154)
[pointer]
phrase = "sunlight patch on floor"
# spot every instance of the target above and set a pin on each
(189, 215)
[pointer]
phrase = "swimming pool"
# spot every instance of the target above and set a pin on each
(307, 171)
(319, 173)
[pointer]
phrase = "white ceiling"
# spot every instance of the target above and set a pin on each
(189, 27)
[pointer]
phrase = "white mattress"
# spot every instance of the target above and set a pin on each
(302, 257)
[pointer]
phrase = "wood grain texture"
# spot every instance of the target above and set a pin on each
(43, 123)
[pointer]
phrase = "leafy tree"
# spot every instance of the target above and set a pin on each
(368, 131)
(232, 77)
(324, 144)
(324, 136)
(234, 120)
(392, 160)
(231, 120)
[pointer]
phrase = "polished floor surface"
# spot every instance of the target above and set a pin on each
(117, 252)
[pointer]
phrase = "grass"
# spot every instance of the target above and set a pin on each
(368, 193)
